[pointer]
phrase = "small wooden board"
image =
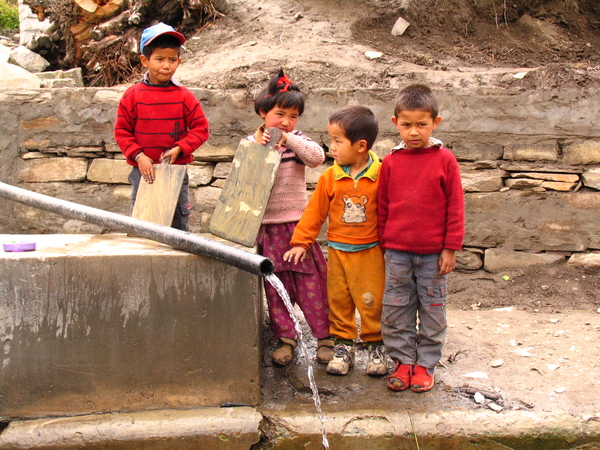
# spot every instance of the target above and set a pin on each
(241, 206)
(156, 202)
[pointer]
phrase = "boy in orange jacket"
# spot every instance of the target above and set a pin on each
(347, 193)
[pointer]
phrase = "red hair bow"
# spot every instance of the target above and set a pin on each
(285, 82)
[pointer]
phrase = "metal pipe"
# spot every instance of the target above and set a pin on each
(178, 239)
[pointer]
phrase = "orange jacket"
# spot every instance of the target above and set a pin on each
(350, 204)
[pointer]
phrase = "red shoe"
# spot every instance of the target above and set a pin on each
(422, 379)
(400, 379)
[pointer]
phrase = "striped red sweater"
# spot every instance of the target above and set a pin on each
(153, 119)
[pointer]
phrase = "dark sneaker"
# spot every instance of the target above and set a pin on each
(376, 361)
(284, 353)
(342, 359)
(325, 350)
(422, 379)
(401, 378)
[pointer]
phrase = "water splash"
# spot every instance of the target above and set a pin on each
(278, 285)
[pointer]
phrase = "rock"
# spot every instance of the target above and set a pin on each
(222, 170)
(590, 262)
(468, 260)
(494, 407)
(200, 174)
(209, 153)
(498, 259)
(483, 180)
(591, 178)
(562, 177)
(72, 76)
(558, 186)
(206, 198)
(586, 152)
(560, 390)
(475, 375)
(4, 53)
(15, 77)
(113, 171)
(474, 151)
(28, 60)
(533, 152)
(400, 27)
(373, 55)
(497, 363)
(479, 398)
(54, 169)
(523, 183)
(552, 366)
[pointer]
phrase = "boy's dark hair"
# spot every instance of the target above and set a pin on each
(163, 41)
(358, 122)
(416, 97)
(280, 91)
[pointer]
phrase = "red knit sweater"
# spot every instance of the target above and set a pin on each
(420, 201)
(154, 119)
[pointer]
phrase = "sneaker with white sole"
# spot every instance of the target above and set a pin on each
(342, 360)
(376, 361)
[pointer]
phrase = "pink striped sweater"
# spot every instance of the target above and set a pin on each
(288, 197)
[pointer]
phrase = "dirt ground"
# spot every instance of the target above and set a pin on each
(322, 44)
(546, 329)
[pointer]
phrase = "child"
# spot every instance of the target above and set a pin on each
(280, 105)
(421, 225)
(158, 118)
(347, 193)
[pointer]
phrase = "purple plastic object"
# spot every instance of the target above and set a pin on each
(19, 247)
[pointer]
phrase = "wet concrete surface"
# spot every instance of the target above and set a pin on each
(517, 360)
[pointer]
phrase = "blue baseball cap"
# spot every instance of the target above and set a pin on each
(159, 29)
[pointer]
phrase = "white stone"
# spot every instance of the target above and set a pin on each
(494, 407)
(479, 398)
(475, 375)
(497, 363)
(373, 55)
(591, 178)
(560, 390)
(28, 60)
(552, 366)
(15, 77)
(400, 27)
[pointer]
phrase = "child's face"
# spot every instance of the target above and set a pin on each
(415, 127)
(162, 64)
(342, 150)
(283, 118)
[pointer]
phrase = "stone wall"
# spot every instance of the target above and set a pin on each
(530, 161)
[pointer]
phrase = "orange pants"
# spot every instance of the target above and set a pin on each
(356, 280)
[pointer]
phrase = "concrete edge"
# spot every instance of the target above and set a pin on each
(242, 427)
(237, 427)
(384, 430)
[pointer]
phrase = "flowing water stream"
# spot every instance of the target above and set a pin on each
(278, 285)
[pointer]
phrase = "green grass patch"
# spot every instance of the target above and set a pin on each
(9, 15)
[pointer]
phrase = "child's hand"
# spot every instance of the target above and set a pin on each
(295, 255)
(447, 261)
(146, 166)
(172, 154)
(263, 137)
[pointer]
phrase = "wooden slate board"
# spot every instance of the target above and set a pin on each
(156, 202)
(241, 206)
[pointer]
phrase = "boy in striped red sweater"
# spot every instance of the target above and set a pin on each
(158, 118)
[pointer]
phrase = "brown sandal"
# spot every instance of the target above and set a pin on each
(325, 350)
(284, 353)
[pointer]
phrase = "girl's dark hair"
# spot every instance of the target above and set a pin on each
(281, 92)
(358, 122)
(163, 41)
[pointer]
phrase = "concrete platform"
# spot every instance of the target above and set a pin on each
(111, 323)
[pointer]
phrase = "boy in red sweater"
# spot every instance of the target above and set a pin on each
(347, 193)
(421, 226)
(158, 118)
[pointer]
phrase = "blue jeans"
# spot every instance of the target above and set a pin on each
(413, 319)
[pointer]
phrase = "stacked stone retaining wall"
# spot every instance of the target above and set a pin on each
(530, 162)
